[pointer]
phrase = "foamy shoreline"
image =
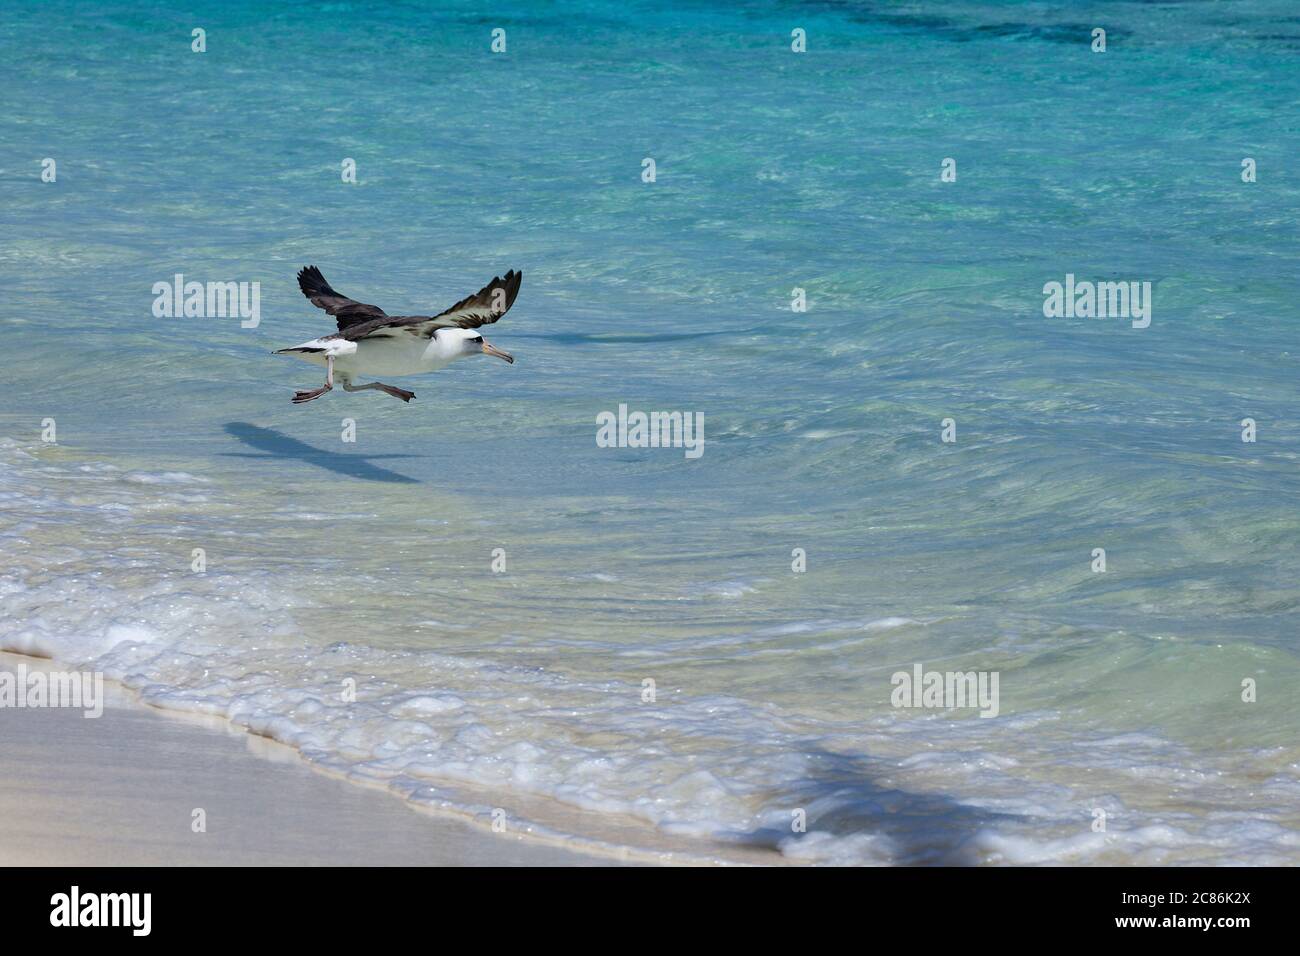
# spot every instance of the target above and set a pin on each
(121, 631)
(123, 790)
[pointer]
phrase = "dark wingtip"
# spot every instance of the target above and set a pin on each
(311, 282)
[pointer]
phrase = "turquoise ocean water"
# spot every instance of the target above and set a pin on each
(329, 562)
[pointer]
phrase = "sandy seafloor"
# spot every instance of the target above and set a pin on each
(370, 562)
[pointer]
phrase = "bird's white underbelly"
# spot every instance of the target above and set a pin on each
(404, 355)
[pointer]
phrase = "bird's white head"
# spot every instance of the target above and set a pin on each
(461, 342)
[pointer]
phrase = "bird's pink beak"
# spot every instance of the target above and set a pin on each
(489, 349)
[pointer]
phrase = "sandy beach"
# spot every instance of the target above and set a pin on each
(121, 790)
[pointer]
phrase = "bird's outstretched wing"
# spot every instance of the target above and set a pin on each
(483, 307)
(347, 311)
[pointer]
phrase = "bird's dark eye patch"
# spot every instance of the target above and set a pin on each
(477, 338)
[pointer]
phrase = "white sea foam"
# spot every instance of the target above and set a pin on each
(163, 478)
(453, 730)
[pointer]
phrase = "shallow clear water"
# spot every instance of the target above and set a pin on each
(370, 561)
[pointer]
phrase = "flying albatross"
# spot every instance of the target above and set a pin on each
(371, 342)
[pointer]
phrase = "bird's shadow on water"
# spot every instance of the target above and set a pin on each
(841, 797)
(273, 444)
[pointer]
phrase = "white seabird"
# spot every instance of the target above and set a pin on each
(371, 342)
